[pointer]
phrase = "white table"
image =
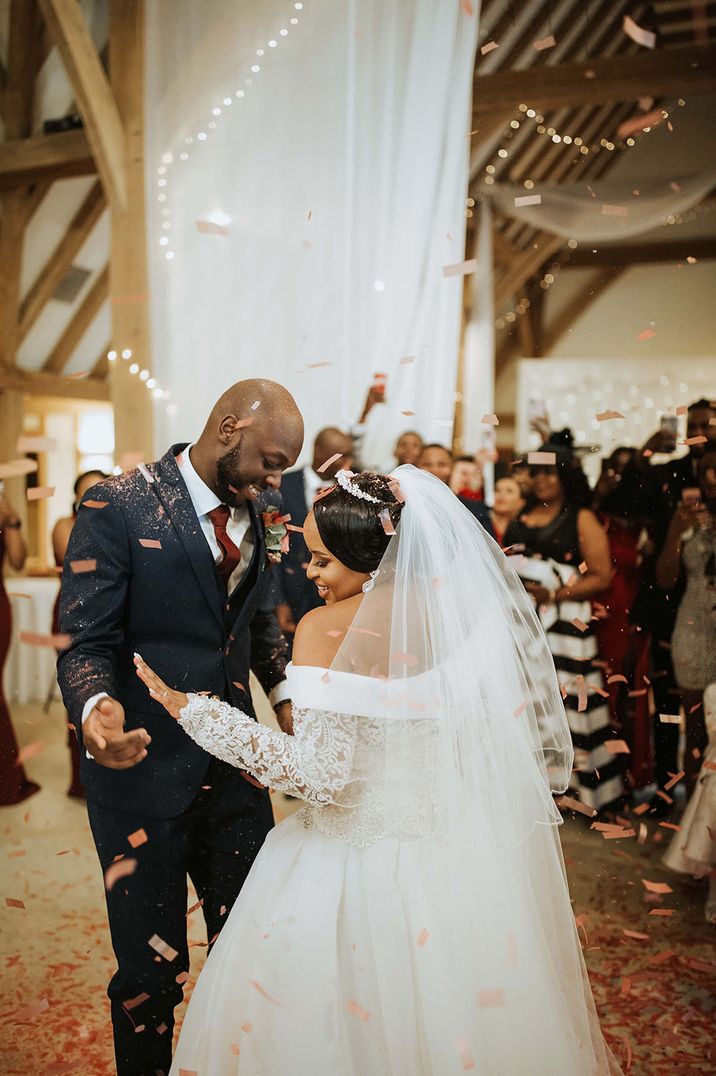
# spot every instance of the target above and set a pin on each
(30, 670)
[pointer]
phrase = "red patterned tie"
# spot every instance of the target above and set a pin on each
(232, 557)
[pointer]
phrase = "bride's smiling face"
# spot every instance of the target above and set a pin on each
(333, 580)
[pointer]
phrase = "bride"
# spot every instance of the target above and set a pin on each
(413, 918)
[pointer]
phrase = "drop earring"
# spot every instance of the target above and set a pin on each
(370, 583)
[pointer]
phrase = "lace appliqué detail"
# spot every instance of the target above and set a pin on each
(338, 763)
(314, 763)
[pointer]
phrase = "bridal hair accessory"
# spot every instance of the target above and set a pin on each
(344, 480)
(370, 583)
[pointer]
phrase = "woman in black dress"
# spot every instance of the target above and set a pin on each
(567, 564)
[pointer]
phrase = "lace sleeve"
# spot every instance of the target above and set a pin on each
(313, 764)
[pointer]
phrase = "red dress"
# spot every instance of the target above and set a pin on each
(75, 788)
(625, 650)
(14, 784)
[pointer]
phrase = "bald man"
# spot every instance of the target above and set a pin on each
(178, 572)
(294, 593)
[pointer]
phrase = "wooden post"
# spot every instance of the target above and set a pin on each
(11, 412)
(128, 278)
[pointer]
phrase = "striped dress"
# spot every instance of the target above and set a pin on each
(597, 776)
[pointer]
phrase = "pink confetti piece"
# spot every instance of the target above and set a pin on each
(327, 463)
(132, 1003)
(544, 43)
(13, 902)
(615, 210)
(661, 911)
(35, 1008)
(162, 948)
(465, 1055)
(520, 709)
(138, 838)
(40, 493)
(17, 468)
(656, 887)
(669, 719)
(31, 750)
(211, 227)
(403, 659)
(386, 522)
(422, 937)
(490, 420)
(606, 416)
(357, 1010)
(467, 7)
(617, 747)
(646, 38)
(527, 199)
(325, 679)
(121, 869)
(235, 1049)
(636, 934)
(247, 1027)
(547, 459)
(145, 473)
(95, 504)
(488, 47)
(581, 694)
(265, 994)
(461, 268)
(150, 543)
(579, 624)
(491, 999)
(698, 440)
(81, 566)
(646, 334)
(55, 642)
(296, 530)
(574, 805)
(317, 365)
(674, 780)
(406, 359)
(635, 124)
(35, 444)
(407, 413)
(617, 678)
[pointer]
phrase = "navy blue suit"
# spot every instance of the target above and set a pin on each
(290, 583)
(199, 815)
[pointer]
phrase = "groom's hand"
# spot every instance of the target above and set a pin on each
(104, 737)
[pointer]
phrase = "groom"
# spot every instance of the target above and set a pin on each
(170, 560)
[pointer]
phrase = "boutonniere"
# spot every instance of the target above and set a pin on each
(275, 535)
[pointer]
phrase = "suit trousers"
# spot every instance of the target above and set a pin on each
(215, 842)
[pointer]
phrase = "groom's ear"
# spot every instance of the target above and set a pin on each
(230, 428)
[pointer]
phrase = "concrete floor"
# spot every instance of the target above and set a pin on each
(655, 992)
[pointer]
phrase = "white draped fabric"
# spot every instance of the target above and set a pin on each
(303, 236)
(602, 211)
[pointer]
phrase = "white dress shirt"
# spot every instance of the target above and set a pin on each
(238, 528)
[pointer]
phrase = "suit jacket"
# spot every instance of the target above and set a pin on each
(290, 583)
(155, 589)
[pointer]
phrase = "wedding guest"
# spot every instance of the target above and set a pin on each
(438, 460)
(60, 538)
(509, 502)
(690, 548)
(621, 505)
(408, 448)
(466, 478)
(521, 471)
(294, 594)
(693, 848)
(567, 564)
(14, 783)
(654, 609)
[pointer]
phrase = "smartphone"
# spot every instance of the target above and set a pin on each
(668, 428)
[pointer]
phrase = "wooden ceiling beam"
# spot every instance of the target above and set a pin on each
(100, 367)
(85, 314)
(37, 383)
(17, 98)
(644, 253)
(45, 157)
(60, 260)
(520, 270)
(659, 73)
(95, 101)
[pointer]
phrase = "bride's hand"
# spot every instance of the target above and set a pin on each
(172, 701)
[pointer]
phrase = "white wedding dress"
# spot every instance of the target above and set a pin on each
(361, 944)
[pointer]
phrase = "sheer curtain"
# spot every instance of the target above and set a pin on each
(303, 236)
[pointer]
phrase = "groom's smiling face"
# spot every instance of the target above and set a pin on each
(254, 460)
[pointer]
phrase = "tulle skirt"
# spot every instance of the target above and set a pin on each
(396, 959)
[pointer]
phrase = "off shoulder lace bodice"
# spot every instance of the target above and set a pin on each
(337, 759)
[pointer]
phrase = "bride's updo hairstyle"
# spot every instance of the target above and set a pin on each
(351, 527)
